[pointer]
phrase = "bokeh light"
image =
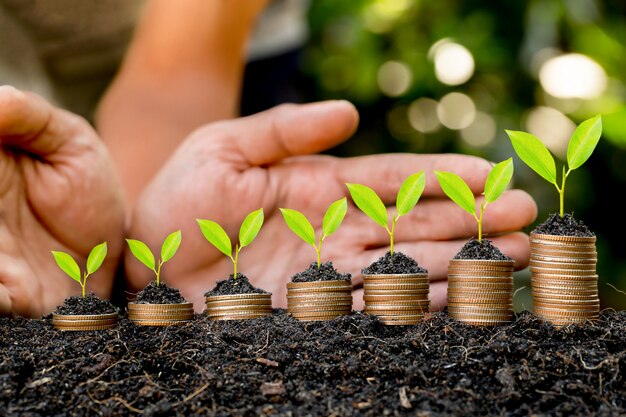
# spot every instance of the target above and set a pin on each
(422, 114)
(456, 111)
(481, 132)
(454, 63)
(552, 127)
(394, 78)
(573, 76)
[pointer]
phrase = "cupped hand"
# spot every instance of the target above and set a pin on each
(58, 191)
(225, 170)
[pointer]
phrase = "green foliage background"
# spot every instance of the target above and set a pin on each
(351, 40)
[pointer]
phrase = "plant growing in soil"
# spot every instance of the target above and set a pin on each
(71, 268)
(142, 252)
(301, 226)
(217, 236)
(459, 192)
(370, 203)
(537, 156)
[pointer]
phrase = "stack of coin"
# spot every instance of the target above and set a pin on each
(480, 292)
(397, 299)
(160, 314)
(319, 300)
(75, 322)
(238, 306)
(563, 278)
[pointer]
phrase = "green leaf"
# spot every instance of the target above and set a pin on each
(534, 154)
(96, 257)
(457, 190)
(299, 224)
(250, 227)
(498, 179)
(171, 245)
(583, 142)
(410, 192)
(141, 252)
(368, 201)
(67, 265)
(216, 235)
(334, 216)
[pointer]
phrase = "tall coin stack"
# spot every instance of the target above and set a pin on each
(480, 292)
(397, 299)
(563, 278)
(319, 300)
(238, 306)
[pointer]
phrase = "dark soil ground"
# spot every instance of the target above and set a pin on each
(484, 250)
(161, 294)
(399, 263)
(229, 286)
(563, 226)
(351, 366)
(326, 272)
(90, 304)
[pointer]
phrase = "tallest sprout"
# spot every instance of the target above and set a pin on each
(537, 156)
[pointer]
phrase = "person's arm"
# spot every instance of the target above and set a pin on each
(183, 69)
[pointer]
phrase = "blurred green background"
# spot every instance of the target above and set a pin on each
(451, 75)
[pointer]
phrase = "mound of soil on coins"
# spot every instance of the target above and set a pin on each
(483, 250)
(161, 294)
(563, 226)
(232, 285)
(398, 263)
(350, 366)
(325, 272)
(89, 304)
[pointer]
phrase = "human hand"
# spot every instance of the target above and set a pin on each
(58, 191)
(225, 170)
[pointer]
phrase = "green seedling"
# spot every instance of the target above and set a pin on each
(142, 252)
(301, 226)
(217, 236)
(459, 192)
(368, 201)
(71, 268)
(537, 156)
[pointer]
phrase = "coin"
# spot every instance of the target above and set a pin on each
(566, 239)
(473, 267)
(396, 307)
(250, 296)
(311, 316)
(339, 283)
(479, 287)
(419, 281)
(482, 262)
(394, 297)
(234, 314)
(394, 276)
(159, 307)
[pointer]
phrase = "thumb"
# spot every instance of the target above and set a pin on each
(291, 129)
(28, 122)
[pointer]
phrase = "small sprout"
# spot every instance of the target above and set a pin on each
(301, 226)
(368, 201)
(142, 252)
(71, 268)
(459, 192)
(217, 236)
(535, 154)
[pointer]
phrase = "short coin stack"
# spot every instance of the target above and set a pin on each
(238, 306)
(397, 299)
(563, 278)
(75, 322)
(144, 314)
(319, 300)
(480, 292)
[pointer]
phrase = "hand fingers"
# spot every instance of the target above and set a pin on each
(435, 256)
(438, 296)
(29, 122)
(442, 219)
(5, 302)
(290, 130)
(385, 173)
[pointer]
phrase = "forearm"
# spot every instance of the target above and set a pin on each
(183, 69)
